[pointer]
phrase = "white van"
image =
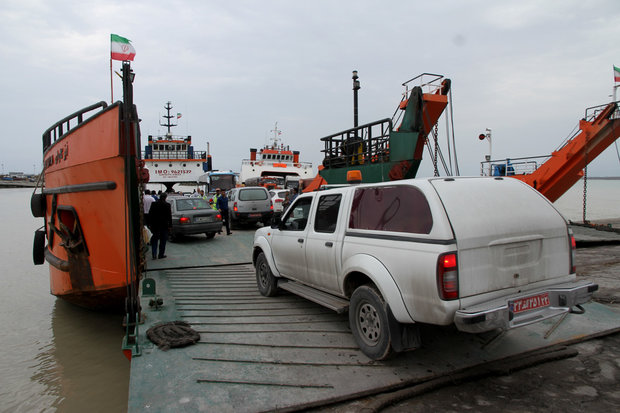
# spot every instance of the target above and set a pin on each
(249, 205)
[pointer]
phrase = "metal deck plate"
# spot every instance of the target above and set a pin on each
(284, 353)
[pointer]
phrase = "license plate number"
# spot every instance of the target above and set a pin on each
(202, 219)
(254, 215)
(530, 303)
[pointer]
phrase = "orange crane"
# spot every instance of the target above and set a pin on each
(564, 167)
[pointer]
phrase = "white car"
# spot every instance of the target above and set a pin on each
(480, 253)
(278, 199)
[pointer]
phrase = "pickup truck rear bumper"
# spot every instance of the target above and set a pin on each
(512, 311)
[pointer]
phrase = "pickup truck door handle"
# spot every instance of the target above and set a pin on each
(300, 240)
(329, 244)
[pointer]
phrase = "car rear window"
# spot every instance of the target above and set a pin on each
(252, 194)
(400, 208)
(191, 203)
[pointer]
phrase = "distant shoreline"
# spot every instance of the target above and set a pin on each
(17, 184)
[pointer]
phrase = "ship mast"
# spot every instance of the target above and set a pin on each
(276, 133)
(168, 124)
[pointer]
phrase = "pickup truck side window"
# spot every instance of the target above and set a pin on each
(327, 213)
(297, 216)
(400, 208)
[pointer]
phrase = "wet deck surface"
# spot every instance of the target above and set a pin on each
(285, 353)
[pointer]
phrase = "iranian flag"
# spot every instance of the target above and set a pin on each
(616, 74)
(121, 48)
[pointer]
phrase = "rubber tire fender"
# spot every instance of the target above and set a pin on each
(38, 247)
(37, 205)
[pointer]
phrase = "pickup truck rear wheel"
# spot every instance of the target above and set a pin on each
(266, 282)
(369, 322)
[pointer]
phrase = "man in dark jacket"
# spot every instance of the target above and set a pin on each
(222, 206)
(160, 217)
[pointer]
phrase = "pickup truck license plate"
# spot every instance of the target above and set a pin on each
(254, 215)
(530, 303)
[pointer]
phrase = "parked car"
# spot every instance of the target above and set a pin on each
(249, 205)
(479, 253)
(193, 216)
(279, 197)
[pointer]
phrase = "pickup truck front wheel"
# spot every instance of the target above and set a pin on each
(369, 322)
(266, 282)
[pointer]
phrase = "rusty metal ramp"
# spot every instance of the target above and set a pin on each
(285, 353)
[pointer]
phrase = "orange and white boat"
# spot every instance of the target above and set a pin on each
(274, 161)
(172, 159)
(90, 201)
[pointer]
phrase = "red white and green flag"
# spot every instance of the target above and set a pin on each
(121, 48)
(616, 74)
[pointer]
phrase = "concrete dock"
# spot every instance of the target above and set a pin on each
(284, 353)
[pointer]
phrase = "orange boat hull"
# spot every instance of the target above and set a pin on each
(90, 214)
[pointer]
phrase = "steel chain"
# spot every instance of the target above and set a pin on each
(585, 187)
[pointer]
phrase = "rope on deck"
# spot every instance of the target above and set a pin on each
(172, 334)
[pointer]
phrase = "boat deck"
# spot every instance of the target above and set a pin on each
(285, 353)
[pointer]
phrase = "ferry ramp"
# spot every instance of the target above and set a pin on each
(285, 353)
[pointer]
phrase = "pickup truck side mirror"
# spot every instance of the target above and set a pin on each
(276, 223)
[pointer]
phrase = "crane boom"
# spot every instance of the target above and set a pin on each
(565, 165)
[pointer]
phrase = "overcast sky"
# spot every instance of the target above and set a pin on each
(526, 69)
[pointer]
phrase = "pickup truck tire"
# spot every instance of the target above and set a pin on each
(266, 282)
(368, 320)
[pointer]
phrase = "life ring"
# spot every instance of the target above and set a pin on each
(38, 247)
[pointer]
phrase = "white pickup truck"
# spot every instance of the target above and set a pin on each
(482, 253)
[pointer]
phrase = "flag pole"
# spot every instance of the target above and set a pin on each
(111, 84)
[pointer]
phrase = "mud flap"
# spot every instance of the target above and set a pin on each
(404, 336)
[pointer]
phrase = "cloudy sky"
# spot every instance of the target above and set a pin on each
(526, 69)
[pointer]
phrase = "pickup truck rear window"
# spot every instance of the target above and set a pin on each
(399, 208)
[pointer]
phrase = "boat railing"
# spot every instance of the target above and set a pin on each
(258, 162)
(367, 143)
(63, 126)
(512, 166)
(198, 155)
(429, 82)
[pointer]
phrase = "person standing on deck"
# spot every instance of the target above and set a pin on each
(160, 216)
(215, 197)
(147, 201)
(222, 206)
(293, 196)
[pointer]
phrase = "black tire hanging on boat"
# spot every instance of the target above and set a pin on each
(37, 205)
(38, 247)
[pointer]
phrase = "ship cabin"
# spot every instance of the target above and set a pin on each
(171, 147)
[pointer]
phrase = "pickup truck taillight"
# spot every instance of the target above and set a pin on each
(573, 248)
(448, 276)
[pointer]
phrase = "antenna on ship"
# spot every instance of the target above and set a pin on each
(276, 132)
(168, 123)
